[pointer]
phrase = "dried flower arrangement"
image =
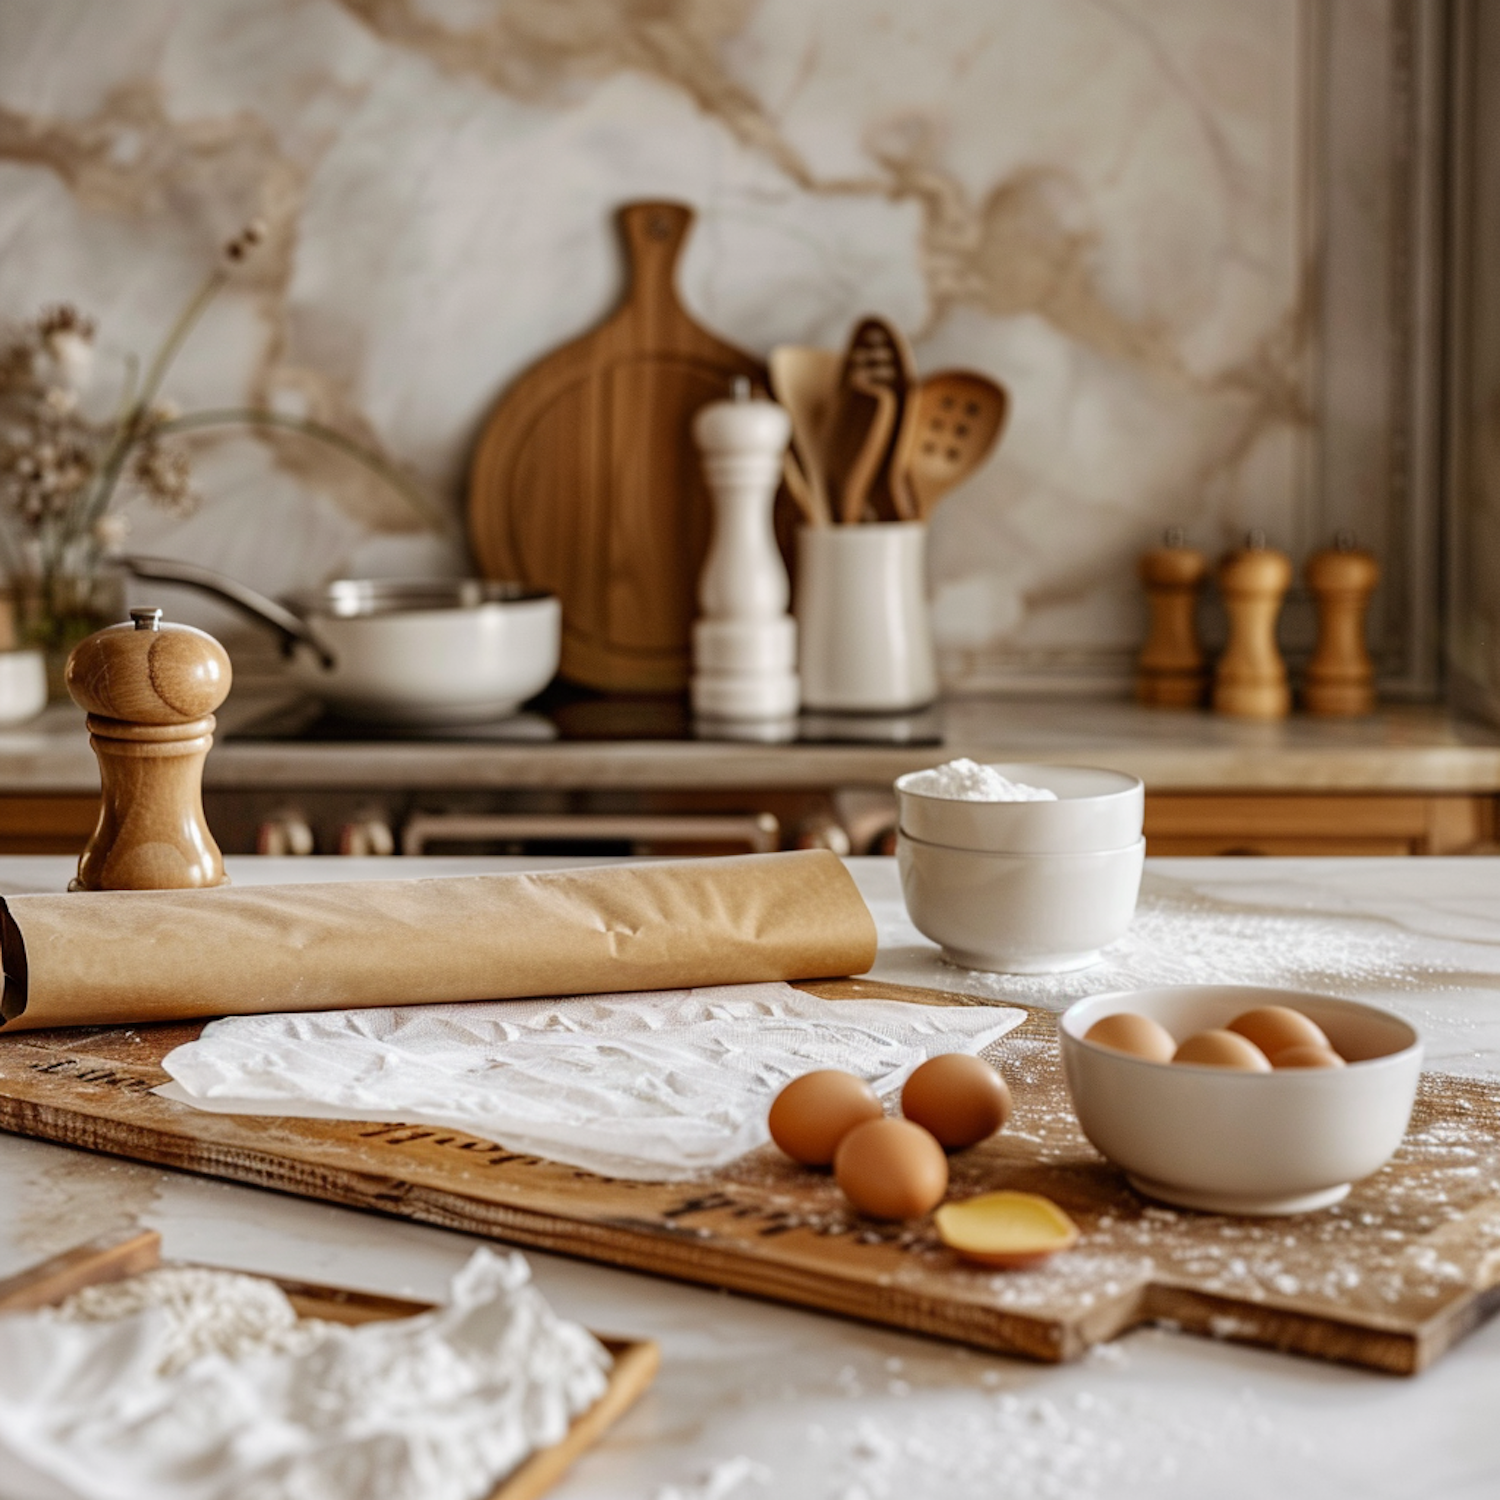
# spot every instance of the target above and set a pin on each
(62, 470)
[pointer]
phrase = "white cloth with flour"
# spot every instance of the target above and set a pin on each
(647, 1086)
(199, 1385)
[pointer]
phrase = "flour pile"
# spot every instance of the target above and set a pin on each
(200, 1385)
(966, 780)
(206, 1312)
(654, 1087)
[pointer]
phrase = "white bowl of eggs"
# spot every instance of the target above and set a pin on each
(1020, 869)
(1239, 1099)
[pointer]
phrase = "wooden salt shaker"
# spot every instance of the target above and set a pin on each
(1341, 676)
(150, 690)
(1250, 682)
(1171, 671)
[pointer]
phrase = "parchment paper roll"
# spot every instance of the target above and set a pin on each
(119, 957)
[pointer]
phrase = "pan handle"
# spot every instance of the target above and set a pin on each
(292, 629)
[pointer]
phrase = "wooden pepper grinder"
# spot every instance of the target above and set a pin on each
(1250, 682)
(150, 690)
(1171, 672)
(1341, 676)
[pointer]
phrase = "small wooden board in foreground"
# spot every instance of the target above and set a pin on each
(1389, 1279)
(634, 1367)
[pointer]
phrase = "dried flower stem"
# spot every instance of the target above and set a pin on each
(176, 336)
(129, 428)
(254, 417)
(60, 470)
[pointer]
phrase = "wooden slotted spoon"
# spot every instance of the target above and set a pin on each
(880, 355)
(855, 444)
(956, 419)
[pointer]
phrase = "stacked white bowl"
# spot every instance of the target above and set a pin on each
(1024, 887)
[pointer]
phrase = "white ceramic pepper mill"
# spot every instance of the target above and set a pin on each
(745, 643)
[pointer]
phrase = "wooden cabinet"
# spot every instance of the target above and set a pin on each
(1177, 823)
(1328, 823)
(46, 824)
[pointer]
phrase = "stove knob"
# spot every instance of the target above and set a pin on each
(367, 834)
(285, 833)
(822, 831)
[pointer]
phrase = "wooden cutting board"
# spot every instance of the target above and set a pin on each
(586, 480)
(1390, 1278)
(635, 1360)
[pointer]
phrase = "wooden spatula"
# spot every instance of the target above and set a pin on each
(957, 417)
(880, 355)
(805, 382)
(795, 478)
(859, 433)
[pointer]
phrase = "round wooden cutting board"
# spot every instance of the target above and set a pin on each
(586, 480)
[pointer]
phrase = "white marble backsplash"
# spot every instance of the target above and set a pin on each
(1097, 201)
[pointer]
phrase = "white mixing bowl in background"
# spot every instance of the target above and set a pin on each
(1238, 1142)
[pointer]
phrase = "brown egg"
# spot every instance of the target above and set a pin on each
(813, 1113)
(1274, 1028)
(1307, 1057)
(1140, 1036)
(961, 1099)
(891, 1169)
(1222, 1049)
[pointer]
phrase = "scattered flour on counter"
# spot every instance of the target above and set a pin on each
(193, 1385)
(1022, 1446)
(727, 1477)
(967, 781)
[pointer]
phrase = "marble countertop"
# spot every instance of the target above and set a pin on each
(755, 1399)
(1402, 748)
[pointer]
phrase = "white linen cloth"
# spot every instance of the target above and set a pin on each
(432, 1407)
(654, 1086)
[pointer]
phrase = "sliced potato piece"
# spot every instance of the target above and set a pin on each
(1005, 1229)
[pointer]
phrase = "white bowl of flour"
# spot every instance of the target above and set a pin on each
(1020, 869)
(1022, 809)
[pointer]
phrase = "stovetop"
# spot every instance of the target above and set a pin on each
(565, 713)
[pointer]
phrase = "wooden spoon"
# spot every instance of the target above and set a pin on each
(805, 382)
(859, 433)
(957, 417)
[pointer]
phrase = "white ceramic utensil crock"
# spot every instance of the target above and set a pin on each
(862, 618)
(1227, 1141)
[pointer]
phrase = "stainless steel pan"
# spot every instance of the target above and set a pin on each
(401, 651)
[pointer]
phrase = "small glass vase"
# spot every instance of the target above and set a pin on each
(53, 612)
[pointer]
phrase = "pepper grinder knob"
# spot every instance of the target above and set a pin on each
(150, 689)
(1251, 681)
